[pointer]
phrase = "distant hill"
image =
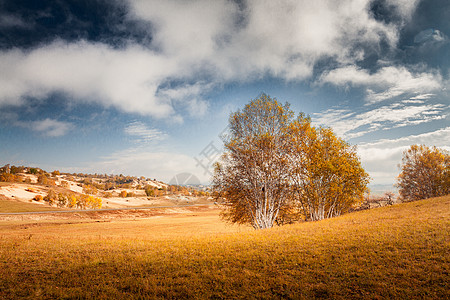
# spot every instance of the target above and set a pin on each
(81, 191)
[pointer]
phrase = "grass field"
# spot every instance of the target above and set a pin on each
(397, 252)
(15, 206)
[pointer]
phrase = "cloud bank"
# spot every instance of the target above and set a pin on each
(198, 45)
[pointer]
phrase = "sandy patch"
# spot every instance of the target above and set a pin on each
(33, 178)
(75, 188)
(21, 192)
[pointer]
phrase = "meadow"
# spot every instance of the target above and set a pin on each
(15, 206)
(397, 252)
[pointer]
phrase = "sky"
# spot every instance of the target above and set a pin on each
(145, 88)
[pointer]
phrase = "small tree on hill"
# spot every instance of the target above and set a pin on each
(90, 189)
(62, 200)
(72, 201)
(425, 173)
(42, 179)
(65, 184)
(51, 197)
(150, 191)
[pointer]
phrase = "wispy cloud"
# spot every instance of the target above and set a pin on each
(49, 127)
(190, 96)
(10, 20)
(143, 134)
(438, 138)
(387, 82)
(350, 124)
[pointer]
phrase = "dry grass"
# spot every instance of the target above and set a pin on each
(16, 206)
(392, 252)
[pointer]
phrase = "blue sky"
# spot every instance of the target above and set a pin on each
(145, 88)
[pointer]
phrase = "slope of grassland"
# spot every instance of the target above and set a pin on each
(398, 252)
(16, 206)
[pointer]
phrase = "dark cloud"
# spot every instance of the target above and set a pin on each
(33, 23)
(423, 40)
(383, 11)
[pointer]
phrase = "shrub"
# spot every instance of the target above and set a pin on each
(51, 197)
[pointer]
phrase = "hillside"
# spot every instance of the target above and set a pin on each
(400, 252)
(41, 190)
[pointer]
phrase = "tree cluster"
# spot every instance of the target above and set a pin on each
(71, 200)
(279, 169)
(8, 177)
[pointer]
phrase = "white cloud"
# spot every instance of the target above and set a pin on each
(127, 79)
(49, 127)
(387, 82)
(45, 127)
(188, 96)
(404, 8)
(143, 134)
(287, 38)
(422, 97)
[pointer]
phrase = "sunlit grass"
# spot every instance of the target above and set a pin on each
(392, 252)
(15, 206)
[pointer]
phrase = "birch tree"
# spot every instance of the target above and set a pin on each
(253, 175)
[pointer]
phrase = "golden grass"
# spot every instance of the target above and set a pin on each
(16, 206)
(399, 252)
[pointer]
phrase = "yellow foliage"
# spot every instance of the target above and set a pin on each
(72, 201)
(425, 173)
(328, 173)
